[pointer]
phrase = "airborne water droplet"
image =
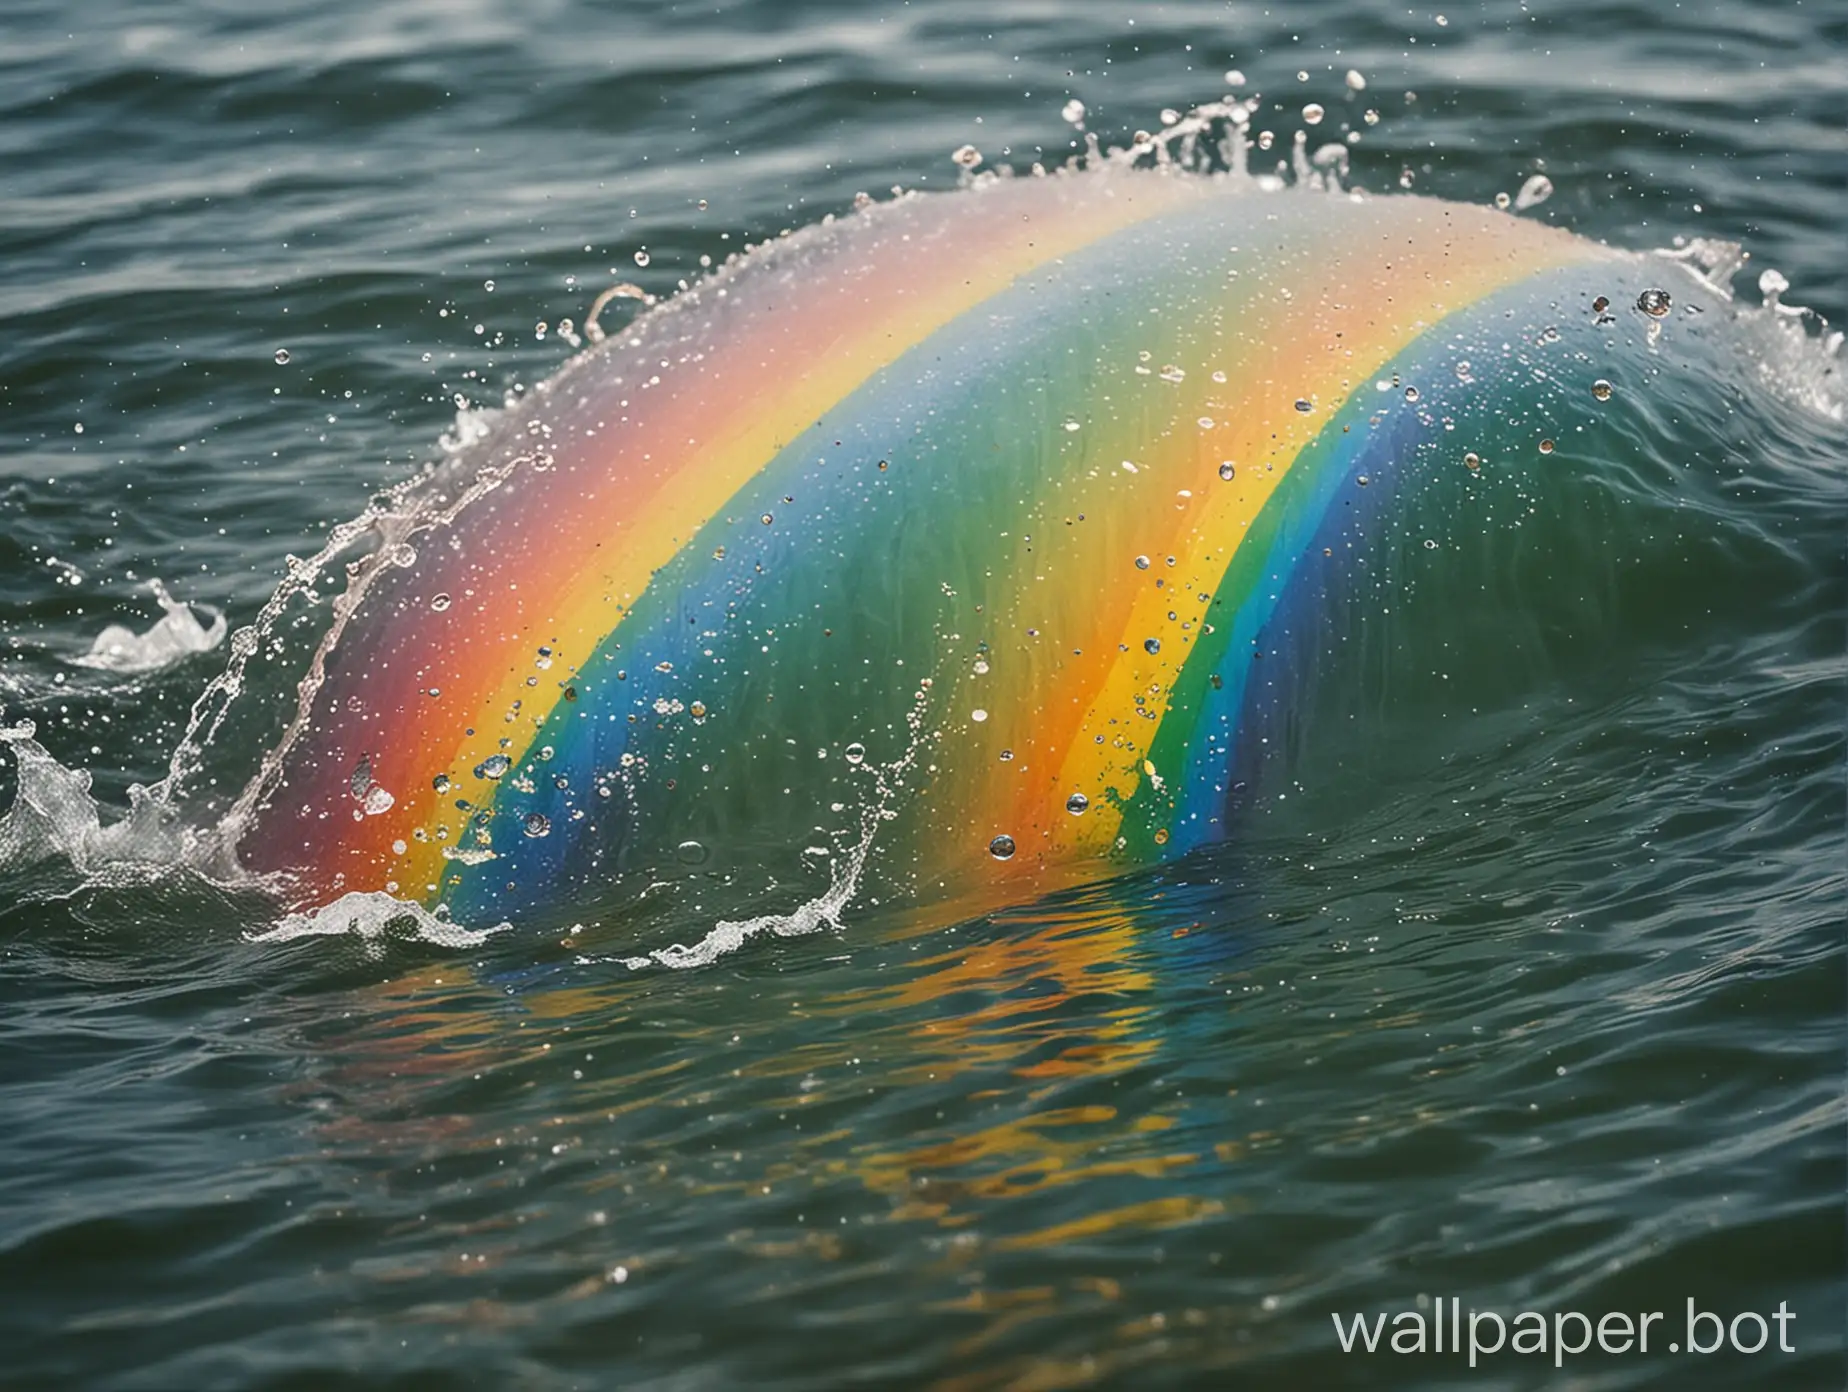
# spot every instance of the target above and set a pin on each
(1002, 848)
(1654, 303)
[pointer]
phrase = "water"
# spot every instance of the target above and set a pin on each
(1541, 1006)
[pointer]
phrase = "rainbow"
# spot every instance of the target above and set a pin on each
(969, 507)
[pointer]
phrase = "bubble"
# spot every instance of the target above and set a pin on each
(536, 824)
(440, 602)
(494, 766)
(1370, 116)
(1171, 373)
(488, 285)
(1005, 755)
(1234, 78)
(978, 715)
(767, 519)
(690, 853)
(1304, 405)
(1151, 646)
(1546, 447)
(854, 753)
(1464, 372)
(1302, 77)
(1600, 304)
(282, 357)
(641, 257)
(967, 156)
(1355, 82)
(1002, 848)
(377, 800)
(1502, 201)
(1362, 480)
(1411, 393)
(1227, 470)
(1073, 112)
(1601, 389)
(981, 666)
(697, 710)
(440, 783)
(1550, 334)
(1142, 563)
(1071, 426)
(1654, 303)
(1266, 140)
(1077, 804)
(1472, 461)
(1313, 113)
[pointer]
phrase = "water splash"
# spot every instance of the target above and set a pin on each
(176, 636)
(374, 918)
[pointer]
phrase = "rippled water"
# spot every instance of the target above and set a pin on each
(1537, 1001)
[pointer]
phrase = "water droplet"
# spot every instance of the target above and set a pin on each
(282, 357)
(1550, 334)
(377, 800)
(1502, 201)
(1464, 372)
(1654, 303)
(1472, 461)
(978, 715)
(1077, 804)
(1005, 755)
(536, 824)
(1171, 373)
(854, 754)
(697, 710)
(1142, 563)
(1546, 447)
(1355, 82)
(981, 666)
(1601, 389)
(1411, 393)
(1266, 140)
(967, 156)
(1304, 405)
(1362, 480)
(1151, 646)
(1370, 116)
(690, 853)
(1234, 78)
(1600, 304)
(1071, 426)
(1002, 848)
(440, 783)
(494, 766)
(440, 602)
(488, 285)
(1227, 470)
(1073, 112)
(1313, 113)
(768, 519)
(1534, 192)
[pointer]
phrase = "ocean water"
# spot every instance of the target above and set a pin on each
(1539, 1002)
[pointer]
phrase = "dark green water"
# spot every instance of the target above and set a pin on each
(1541, 1004)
